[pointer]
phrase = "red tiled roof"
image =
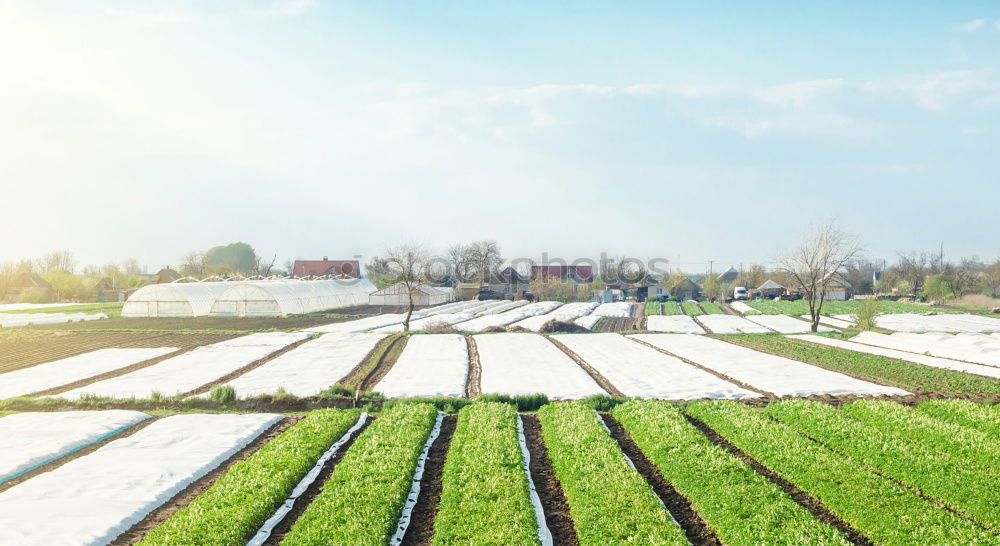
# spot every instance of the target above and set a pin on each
(318, 268)
(582, 272)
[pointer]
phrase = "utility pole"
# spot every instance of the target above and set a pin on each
(710, 268)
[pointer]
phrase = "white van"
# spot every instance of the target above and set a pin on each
(740, 293)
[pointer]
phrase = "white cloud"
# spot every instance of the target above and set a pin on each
(973, 25)
(798, 95)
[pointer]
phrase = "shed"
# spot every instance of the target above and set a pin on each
(728, 276)
(685, 290)
(771, 289)
(398, 295)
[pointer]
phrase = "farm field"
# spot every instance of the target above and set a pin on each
(691, 308)
(529, 363)
(850, 307)
(785, 324)
(676, 324)
(712, 308)
(707, 472)
(729, 324)
(112, 309)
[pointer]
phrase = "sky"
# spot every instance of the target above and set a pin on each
(690, 131)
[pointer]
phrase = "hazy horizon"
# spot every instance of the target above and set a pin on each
(310, 128)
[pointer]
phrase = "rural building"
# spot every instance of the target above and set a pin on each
(838, 290)
(466, 290)
(685, 290)
(326, 266)
(728, 276)
(510, 283)
(771, 289)
(163, 276)
(29, 287)
(398, 295)
(576, 274)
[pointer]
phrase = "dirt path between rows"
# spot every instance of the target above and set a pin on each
(421, 529)
(473, 384)
(738, 383)
(807, 501)
(695, 528)
(75, 455)
(594, 374)
(303, 502)
(384, 364)
(137, 532)
(557, 515)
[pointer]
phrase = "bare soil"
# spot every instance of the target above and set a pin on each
(155, 518)
(26, 348)
(813, 505)
(695, 528)
(550, 491)
(385, 363)
(224, 324)
(421, 529)
(303, 502)
(596, 375)
(473, 386)
(75, 455)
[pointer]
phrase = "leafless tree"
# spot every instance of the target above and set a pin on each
(913, 267)
(193, 265)
(817, 261)
(967, 276)
(263, 268)
(485, 259)
(459, 261)
(992, 278)
(406, 265)
(62, 259)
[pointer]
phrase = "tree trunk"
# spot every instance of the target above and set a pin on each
(409, 312)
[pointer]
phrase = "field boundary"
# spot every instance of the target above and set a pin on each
(594, 374)
(473, 381)
(558, 518)
(421, 527)
(738, 383)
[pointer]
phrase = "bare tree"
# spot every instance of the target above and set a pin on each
(992, 278)
(967, 276)
(913, 267)
(406, 265)
(485, 259)
(263, 268)
(61, 259)
(818, 261)
(458, 258)
(193, 265)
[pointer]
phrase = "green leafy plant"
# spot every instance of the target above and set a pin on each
(223, 394)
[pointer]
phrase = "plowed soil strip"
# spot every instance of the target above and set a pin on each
(695, 528)
(594, 374)
(153, 520)
(421, 528)
(385, 363)
(473, 386)
(554, 505)
(306, 499)
(702, 324)
(75, 455)
(736, 382)
(807, 501)
(253, 365)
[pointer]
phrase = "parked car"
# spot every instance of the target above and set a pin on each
(791, 296)
(740, 293)
(487, 294)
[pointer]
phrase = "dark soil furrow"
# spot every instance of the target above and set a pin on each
(385, 363)
(314, 489)
(807, 501)
(137, 532)
(473, 385)
(694, 527)
(421, 528)
(596, 375)
(550, 491)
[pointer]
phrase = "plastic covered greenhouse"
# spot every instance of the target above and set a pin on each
(277, 298)
(178, 299)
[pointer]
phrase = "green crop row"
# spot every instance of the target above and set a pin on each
(982, 417)
(887, 371)
(712, 308)
(362, 500)
(969, 445)
(849, 307)
(652, 308)
(877, 507)
(609, 501)
(935, 473)
(741, 506)
(691, 308)
(485, 497)
(672, 308)
(241, 500)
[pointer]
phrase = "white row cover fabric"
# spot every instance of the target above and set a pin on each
(744, 308)
(515, 364)
(190, 370)
(11, 320)
(832, 321)
(588, 321)
(96, 498)
(75, 368)
(434, 321)
(309, 368)
(675, 324)
(29, 440)
(640, 371)
(621, 309)
(906, 322)
(786, 324)
(975, 348)
(729, 324)
(505, 306)
(936, 362)
(508, 317)
(27, 306)
(769, 373)
(430, 365)
(565, 313)
(362, 324)
(399, 294)
(178, 299)
(280, 298)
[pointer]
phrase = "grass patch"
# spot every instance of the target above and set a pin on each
(887, 371)
(523, 402)
(388, 348)
(112, 309)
